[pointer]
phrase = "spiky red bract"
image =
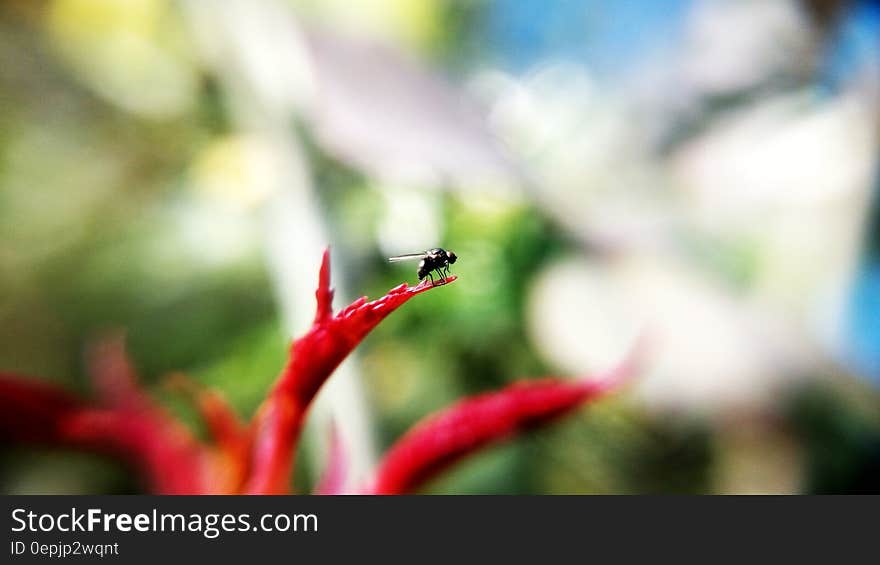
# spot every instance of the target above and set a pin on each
(442, 439)
(312, 360)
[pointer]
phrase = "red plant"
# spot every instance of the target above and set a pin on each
(257, 457)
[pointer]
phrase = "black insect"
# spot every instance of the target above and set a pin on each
(436, 259)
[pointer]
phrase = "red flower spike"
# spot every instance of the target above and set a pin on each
(258, 458)
(312, 359)
(333, 478)
(440, 440)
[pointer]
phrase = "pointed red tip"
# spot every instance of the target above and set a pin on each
(313, 357)
(324, 294)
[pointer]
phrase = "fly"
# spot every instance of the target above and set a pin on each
(434, 260)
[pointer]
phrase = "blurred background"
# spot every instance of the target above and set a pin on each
(704, 170)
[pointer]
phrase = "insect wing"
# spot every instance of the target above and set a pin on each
(407, 257)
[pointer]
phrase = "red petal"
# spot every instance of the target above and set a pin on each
(446, 437)
(277, 427)
(312, 359)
